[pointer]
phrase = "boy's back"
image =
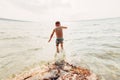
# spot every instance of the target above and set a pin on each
(59, 32)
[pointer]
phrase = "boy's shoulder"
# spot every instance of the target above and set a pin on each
(54, 29)
(57, 28)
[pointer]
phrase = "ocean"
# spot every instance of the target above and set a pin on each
(94, 44)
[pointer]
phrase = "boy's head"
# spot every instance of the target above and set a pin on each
(57, 23)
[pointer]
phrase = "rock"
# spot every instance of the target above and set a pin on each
(59, 71)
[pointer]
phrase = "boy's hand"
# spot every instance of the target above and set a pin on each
(49, 41)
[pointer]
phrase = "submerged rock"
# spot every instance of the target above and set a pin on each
(58, 71)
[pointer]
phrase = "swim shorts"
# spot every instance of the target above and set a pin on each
(58, 41)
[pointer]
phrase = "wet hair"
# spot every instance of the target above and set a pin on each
(57, 22)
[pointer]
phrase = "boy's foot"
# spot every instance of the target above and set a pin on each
(58, 51)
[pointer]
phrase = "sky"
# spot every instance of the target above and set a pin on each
(42, 10)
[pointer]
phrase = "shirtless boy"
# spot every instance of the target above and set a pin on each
(59, 35)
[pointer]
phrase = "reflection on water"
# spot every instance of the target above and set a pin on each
(93, 44)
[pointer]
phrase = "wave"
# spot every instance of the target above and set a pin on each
(2, 32)
(12, 38)
(6, 19)
(34, 49)
(112, 46)
(9, 62)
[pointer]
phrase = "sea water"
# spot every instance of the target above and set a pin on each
(94, 44)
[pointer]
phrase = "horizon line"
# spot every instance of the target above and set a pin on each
(19, 20)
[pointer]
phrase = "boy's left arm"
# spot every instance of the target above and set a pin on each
(63, 27)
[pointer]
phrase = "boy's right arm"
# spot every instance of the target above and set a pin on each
(51, 35)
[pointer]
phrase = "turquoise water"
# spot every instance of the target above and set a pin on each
(94, 44)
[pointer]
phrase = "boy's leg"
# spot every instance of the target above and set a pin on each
(57, 48)
(62, 45)
(57, 45)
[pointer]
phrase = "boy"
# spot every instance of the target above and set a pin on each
(59, 34)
